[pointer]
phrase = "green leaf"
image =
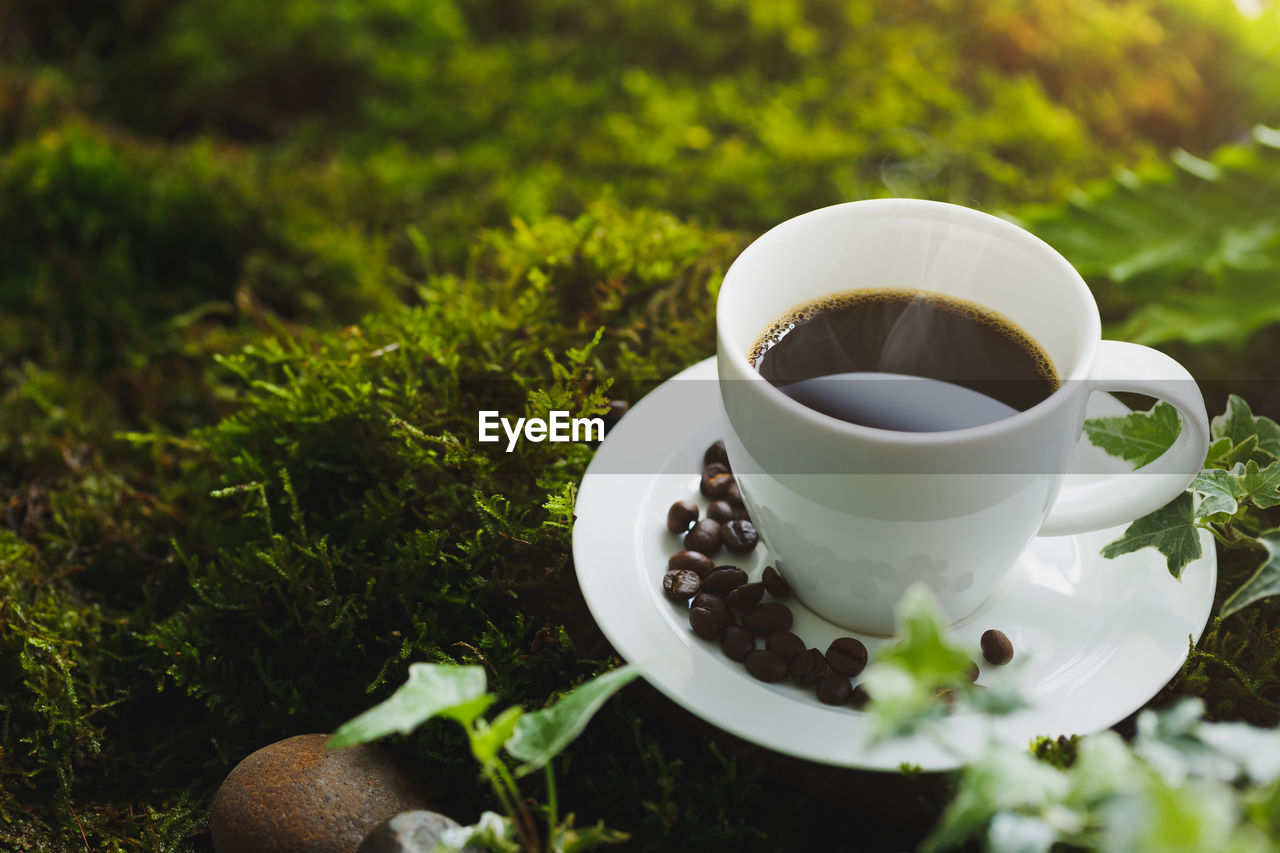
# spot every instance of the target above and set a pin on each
(1170, 530)
(1138, 437)
(570, 839)
(1001, 780)
(1238, 424)
(1259, 486)
(1224, 490)
(1219, 490)
(487, 738)
(1265, 581)
(904, 679)
(432, 689)
(541, 735)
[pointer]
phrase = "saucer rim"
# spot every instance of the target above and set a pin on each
(683, 670)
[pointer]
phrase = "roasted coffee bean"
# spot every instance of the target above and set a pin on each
(973, 672)
(733, 494)
(767, 618)
(716, 605)
(716, 453)
(681, 584)
(775, 584)
(711, 468)
(681, 515)
(705, 623)
(617, 408)
(720, 511)
(859, 697)
(739, 537)
(694, 561)
(715, 485)
(785, 643)
(996, 647)
(736, 642)
(746, 596)
(766, 665)
(742, 515)
(724, 579)
(808, 667)
(834, 689)
(847, 656)
(704, 536)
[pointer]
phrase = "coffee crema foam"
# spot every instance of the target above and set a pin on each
(779, 329)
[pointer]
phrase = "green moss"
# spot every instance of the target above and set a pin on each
(233, 510)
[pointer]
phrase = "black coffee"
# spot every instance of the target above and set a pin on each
(904, 360)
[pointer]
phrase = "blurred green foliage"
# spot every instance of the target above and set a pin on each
(260, 263)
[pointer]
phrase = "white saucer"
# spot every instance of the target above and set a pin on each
(1096, 638)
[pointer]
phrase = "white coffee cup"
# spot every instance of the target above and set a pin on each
(854, 515)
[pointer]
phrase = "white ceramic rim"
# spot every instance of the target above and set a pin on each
(613, 536)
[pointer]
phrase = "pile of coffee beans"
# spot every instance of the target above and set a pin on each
(725, 605)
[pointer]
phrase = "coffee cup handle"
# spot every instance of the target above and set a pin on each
(1121, 498)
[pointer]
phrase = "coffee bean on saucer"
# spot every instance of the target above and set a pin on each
(808, 667)
(694, 561)
(736, 642)
(720, 511)
(767, 618)
(739, 537)
(681, 584)
(834, 689)
(775, 583)
(705, 623)
(785, 643)
(715, 485)
(704, 536)
(733, 494)
(681, 515)
(859, 697)
(996, 647)
(973, 672)
(766, 665)
(716, 605)
(742, 515)
(724, 579)
(746, 596)
(617, 408)
(847, 656)
(716, 453)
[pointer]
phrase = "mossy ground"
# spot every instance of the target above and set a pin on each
(260, 264)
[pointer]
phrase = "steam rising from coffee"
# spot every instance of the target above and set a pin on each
(904, 360)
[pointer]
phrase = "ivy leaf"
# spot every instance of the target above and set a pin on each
(432, 690)
(1265, 581)
(1001, 780)
(904, 679)
(571, 839)
(1224, 490)
(1219, 451)
(1238, 424)
(1170, 530)
(1219, 490)
(1259, 486)
(541, 735)
(1138, 437)
(487, 738)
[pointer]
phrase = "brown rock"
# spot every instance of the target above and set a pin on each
(293, 796)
